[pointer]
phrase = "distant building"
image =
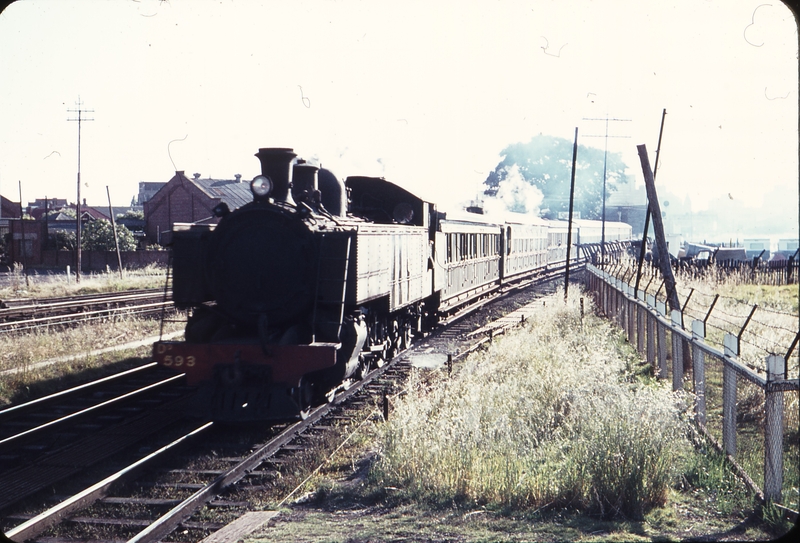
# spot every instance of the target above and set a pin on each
(788, 247)
(40, 206)
(757, 247)
(184, 200)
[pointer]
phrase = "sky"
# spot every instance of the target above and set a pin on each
(424, 93)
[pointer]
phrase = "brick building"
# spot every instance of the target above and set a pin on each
(184, 200)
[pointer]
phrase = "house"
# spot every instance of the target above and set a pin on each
(184, 200)
(41, 206)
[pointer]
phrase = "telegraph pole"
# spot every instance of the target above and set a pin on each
(80, 119)
(605, 160)
(571, 202)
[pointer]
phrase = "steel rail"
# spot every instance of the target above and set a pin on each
(38, 524)
(13, 326)
(17, 409)
(87, 410)
(21, 303)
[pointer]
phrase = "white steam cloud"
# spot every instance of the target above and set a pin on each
(515, 194)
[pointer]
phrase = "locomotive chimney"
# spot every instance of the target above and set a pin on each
(276, 163)
(304, 184)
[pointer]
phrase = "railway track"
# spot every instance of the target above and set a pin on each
(54, 437)
(28, 313)
(193, 495)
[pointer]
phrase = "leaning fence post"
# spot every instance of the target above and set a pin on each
(773, 429)
(677, 351)
(699, 370)
(730, 345)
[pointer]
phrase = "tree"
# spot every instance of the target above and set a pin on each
(131, 214)
(63, 241)
(99, 236)
(546, 163)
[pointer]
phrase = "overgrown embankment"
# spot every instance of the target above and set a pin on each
(560, 413)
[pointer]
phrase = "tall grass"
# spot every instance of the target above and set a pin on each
(549, 415)
(21, 352)
(55, 285)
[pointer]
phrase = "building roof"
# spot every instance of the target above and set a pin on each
(93, 213)
(232, 192)
(8, 209)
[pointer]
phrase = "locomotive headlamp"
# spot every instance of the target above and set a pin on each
(261, 186)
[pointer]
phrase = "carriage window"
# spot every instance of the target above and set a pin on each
(449, 239)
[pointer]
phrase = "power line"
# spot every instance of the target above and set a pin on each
(605, 160)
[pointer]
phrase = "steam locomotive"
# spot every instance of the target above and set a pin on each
(317, 280)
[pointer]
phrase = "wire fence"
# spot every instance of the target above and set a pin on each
(740, 365)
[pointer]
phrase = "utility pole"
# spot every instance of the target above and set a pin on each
(80, 119)
(605, 159)
(114, 229)
(22, 247)
(571, 202)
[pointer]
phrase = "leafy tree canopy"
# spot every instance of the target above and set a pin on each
(545, 162)
(63, 241)
(131, 214)
(99, 236)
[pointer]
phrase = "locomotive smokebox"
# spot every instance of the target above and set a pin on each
(276, 163)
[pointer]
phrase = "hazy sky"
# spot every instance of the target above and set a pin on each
(425, 93)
